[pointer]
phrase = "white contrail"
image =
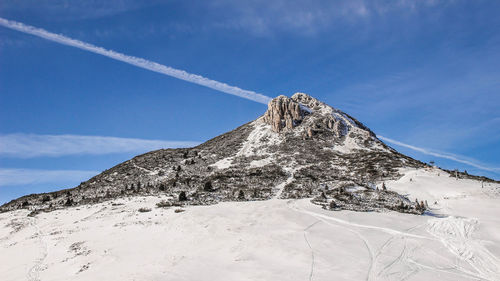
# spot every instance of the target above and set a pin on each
(32, 145)
(440, 155)
(146, 64)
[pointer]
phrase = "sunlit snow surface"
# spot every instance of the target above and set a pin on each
(264, 240)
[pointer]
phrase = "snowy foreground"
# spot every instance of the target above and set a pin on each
(266, 240)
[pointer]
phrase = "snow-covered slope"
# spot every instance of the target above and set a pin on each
(262, 240)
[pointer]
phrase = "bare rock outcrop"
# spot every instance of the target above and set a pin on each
(283, 113)
(307, 100)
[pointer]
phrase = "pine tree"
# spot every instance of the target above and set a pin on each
(241, 195)
(183, 196)
(333, 205)
(255, 193)
(402, 205)
(69, 202)
(208, 186)
(323, 195)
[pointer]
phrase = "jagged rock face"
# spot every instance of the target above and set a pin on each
(283, 113)
(299, 147)
(306, 100)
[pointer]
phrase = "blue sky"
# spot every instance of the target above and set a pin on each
(422, 73)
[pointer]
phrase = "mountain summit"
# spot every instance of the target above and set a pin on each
(299, 148)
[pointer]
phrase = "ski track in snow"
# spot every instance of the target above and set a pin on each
(383, 229)
(311, 274)
(34, 272)
(377, 255)
(403, 257)
(322, 218)
(456, 234)
(367, 245)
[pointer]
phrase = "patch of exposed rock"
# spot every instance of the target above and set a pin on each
(283, 113)
(313, 117)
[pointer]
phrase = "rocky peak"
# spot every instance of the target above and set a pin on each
(284, 113)
(308, 101)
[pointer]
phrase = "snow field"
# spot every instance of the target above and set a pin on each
(262, 240)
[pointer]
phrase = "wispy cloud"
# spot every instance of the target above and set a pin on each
(139, 62)
(306, 17)
(11, 177)
(449, 156)
(32, 145)
(72, 10)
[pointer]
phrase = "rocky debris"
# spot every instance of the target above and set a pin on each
(283, 113)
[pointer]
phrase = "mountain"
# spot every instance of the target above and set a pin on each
(137, 220)
(300, 148)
